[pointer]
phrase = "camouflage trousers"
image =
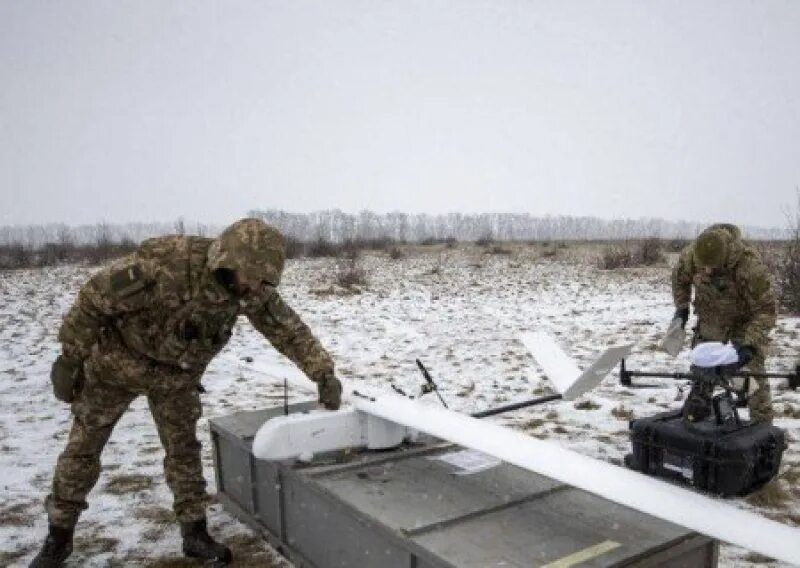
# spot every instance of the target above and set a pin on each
(114, 378)
(760, 402)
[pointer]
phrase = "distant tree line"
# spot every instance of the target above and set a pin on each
(336, 233)
(47, 245)
(39, 235)
(630, 242)
(337, 226)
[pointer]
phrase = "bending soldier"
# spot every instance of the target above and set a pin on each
(733, 301)
(148, 325)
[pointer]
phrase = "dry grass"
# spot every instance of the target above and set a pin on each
(438, 268)
(166, 562)
(622, 413)
(396, 253)
(350, 276)
(791, 411)
(497, 249)
(791, 475)
(250, 552)
(783, 263)
(586, 404)
(18, 515)
(93, 544)
(9, 557)
(627, 254)
(616, 256)
(156, 514)
(605, 439)
(467, 390)
(757, 558)
(772, 495)
(120, 484)
(153, 534)
(532, 424)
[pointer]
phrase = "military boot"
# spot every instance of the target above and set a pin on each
(57, 548)
(197, 543)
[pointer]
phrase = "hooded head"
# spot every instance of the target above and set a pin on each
(730, 228)
(715, 246)
(249, 252)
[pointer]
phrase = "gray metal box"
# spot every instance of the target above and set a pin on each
(407, 508)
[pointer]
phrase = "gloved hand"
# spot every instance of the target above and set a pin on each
(683, 315)
(673, 340)
(67, 378)
(746, 354)
(330, 392)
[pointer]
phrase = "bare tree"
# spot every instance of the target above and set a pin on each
(180, 226)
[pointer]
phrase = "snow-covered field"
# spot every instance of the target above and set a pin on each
(459, 310)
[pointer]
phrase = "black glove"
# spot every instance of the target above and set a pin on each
(67, 378)
(746, 354)
(683, 314)
(330, 392)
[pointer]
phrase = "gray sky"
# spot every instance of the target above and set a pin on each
(150, 110)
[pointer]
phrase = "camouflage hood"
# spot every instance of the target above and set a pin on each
(720, 245)
(251, 248)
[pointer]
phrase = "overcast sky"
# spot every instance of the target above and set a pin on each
(151, 110)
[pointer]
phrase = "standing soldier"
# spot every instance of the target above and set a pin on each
(149, 324)
(733, 300)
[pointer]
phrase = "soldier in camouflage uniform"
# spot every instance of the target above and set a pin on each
(733, 300)
(148, 325)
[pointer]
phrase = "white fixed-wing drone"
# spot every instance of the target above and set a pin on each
(386, 419)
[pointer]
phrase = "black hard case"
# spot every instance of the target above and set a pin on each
(723, 460)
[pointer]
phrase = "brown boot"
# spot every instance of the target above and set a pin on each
(197, 543)
(57, 548)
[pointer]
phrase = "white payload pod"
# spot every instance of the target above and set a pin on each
(302, 435)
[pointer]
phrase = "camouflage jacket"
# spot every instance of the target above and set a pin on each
(163, 303)
(733, 303)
